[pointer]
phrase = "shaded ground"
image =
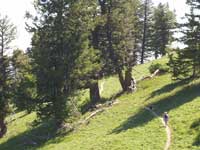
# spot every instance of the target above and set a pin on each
(33, 138)
(187, 94)
(196, 126)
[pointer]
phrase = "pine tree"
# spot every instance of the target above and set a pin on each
(147, 21)
(164, 23)
(87, 68)
(51, 54)
(7, 35)
(23, 81)
(185, 63)
(60, 46)
(115, 36)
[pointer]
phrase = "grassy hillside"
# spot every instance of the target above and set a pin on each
(125, 126)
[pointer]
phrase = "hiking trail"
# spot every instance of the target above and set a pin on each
(167, 128)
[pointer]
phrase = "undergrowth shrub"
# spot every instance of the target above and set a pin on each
(162, 68)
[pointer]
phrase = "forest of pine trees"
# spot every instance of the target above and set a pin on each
(77, 43)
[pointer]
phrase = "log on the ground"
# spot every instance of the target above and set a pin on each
(86, 121)
(150, 76)
(100, 108)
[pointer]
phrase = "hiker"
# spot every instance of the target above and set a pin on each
(165, 118)
(151, 107)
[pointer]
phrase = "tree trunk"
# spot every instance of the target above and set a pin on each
(102, 3)
(127, 82)
(94, 93)
(144, 33)
(3, 128)
(121, 80)
(194, 70)
(156, 54)
(128, 78)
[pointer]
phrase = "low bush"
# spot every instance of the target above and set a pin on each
(162, 68)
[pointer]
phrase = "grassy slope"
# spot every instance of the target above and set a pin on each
(126, 125)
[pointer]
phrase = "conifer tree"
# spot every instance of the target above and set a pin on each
(23, 81)
(7, 35)
(185, 63)
(87, 68)
(60, 46)
(147, 22)
(115, 36)
(164, 23)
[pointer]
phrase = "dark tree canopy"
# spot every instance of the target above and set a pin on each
(185, 63)
(7, 35)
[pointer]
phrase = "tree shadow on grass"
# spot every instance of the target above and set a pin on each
(113, 97)
(196, 126)
(90, 106)
(168, 88)
(16, 118)
(183, 96)
(34, 138)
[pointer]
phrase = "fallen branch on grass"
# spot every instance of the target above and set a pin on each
(150, 76)
(100, 108)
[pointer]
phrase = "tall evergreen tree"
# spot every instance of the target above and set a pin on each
(23, 81)
(60, 45)
(185, 63)
(87, 68)
(7, 35)
(164, 23)
(115, 36)
(147, 21)
(50, 53)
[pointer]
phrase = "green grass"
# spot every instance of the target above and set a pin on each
(126, 125)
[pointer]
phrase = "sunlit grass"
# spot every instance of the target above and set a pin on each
(127, 125)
